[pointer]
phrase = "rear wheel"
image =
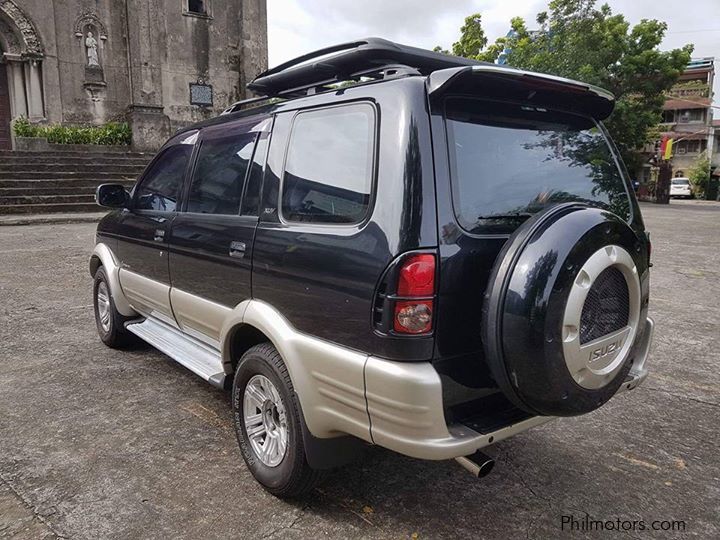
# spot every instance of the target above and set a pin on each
(110, 323)
(268, 424)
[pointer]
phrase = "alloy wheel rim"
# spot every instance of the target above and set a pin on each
(265, 420)
(103, 306)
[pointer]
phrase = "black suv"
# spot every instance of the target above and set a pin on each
(390, 245)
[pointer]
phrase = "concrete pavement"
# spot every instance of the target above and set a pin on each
(97, 443)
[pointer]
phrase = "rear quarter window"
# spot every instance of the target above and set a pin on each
(509, 162)
(329, 166)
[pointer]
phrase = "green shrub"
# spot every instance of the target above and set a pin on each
(23, 128)
(108, 134)
(699, 175)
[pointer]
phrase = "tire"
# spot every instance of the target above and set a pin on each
(563, 307)
(110, 323)
(284, 473)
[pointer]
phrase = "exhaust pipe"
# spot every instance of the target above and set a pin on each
(478, 464)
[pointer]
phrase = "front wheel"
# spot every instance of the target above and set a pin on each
(268, 424)
(110, 323)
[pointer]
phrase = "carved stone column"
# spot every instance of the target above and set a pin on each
(254, 41)
(145, 30)
(16, 82)
(33, 77)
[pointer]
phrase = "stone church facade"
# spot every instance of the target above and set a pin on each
(158, 64)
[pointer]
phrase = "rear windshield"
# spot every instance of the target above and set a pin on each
(509, 162)
(681, 182)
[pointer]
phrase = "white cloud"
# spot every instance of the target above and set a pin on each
(299, 26)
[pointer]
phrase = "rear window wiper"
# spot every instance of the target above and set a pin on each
(515, 215)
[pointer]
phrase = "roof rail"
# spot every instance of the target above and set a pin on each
(349, 61)
(244, 102)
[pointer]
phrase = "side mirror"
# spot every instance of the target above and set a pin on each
(112, 196)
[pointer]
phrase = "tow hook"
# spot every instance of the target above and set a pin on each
(478, 464)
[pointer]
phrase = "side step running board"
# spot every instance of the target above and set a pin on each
(191, 353)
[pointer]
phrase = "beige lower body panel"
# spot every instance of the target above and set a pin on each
(103, 255)
(328, 379)
(405, 405)
(147, 296)
(406, 412)
(198, 317)
(397, 405)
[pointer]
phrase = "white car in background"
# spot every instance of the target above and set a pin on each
(680, 187)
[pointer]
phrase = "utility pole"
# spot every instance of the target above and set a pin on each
(662, 188)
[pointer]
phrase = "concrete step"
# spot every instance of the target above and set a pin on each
(54, 190)
(65, 217)
(13, 163)
(46, 208)
(65, 181)
(45, 199)
(50, 175)
(30, 184)
(76, 152)
(75, 155)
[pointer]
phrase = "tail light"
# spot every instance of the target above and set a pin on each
(413, 313)
(413, 317)
(405, 296)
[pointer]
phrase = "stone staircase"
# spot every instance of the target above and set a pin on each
(62, 181)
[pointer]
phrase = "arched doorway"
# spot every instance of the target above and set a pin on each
(21, 55)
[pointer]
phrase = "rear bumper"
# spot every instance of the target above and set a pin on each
(405, 407)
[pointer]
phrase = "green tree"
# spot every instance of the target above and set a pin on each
(576, 39)
(699, 175)
(472, 38)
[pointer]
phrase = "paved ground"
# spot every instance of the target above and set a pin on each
(36, 219)
(96, 443)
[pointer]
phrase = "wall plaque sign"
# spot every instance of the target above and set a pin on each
(201, 94)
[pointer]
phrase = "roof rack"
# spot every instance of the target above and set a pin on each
(385, 72)
(350, 61)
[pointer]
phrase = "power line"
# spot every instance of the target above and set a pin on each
(670, 96)
(693, 31)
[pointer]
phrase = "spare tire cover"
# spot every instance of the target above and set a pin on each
(562, 310)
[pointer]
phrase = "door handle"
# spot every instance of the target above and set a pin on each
(159, 235)
(237, 249)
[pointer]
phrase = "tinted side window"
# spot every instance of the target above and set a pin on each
(328, 172)
(219, 176)
(251, 200)
(160, 186)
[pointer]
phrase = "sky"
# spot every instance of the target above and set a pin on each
(299, 26)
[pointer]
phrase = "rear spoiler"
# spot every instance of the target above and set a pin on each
(527, 87)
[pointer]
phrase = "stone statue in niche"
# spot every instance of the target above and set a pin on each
(91, 45)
